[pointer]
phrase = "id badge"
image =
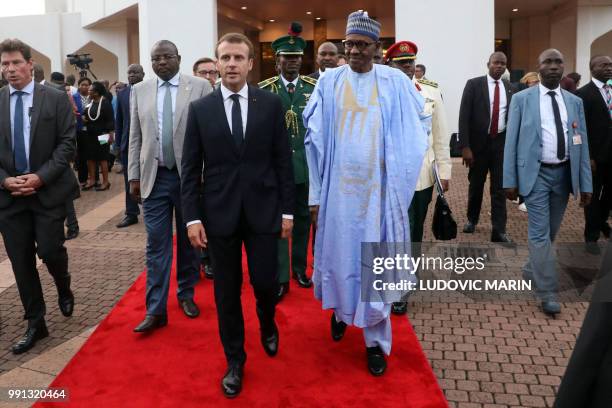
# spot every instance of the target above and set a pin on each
(577, 139)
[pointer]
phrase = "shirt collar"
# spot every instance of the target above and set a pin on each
(244, 92)
(598, 83)
(544, 90)
(492, 80)
(29, 88)
(294, 82)
(174, 81)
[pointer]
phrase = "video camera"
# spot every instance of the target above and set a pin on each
(81, 62)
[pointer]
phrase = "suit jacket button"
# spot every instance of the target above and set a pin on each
(293, 150)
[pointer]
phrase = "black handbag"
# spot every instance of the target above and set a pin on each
(444, 226)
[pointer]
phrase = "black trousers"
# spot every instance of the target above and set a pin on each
(417, 212)
(81, 160)
(596, 213)
(71, 218)
(262, 260)
(29, 228)
(131, 207)
(489, 160)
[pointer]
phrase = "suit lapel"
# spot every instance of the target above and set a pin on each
(182, 96)
(534, 106)
(227, 134)
(596, 93)
(485, 97)
(251, 115)
(37, 103)
(153, 90)
(5, 113)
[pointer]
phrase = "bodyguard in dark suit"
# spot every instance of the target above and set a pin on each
(327, 57)
(238, 138)
(37, 142)
(122, 139)
(482, 133)
(597, 99)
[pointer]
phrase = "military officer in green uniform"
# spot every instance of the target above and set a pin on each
(294, 90)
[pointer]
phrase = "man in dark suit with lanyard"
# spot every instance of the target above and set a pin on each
(237, 136)
(37, 142)
(482, 133)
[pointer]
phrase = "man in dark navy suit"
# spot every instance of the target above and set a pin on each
(122, 134)
(237, 136)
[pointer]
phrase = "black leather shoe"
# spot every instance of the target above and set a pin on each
(399, 308)
(551, 308)
(469, 227)
(66, 303)
(302, 280)
(29, 339)
(592, 248)
(72, 233)
(605, 230)
(283, 290)
(337, 328)
(151, 322)
(208, 271)
(127, 221)
(231, 384)
(189, 308)
(376, 361)
(269, 341)
(500, 237)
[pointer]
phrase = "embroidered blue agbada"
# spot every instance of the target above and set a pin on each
(365, 142)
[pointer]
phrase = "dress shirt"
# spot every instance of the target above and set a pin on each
(161, 93)
(600, 85)
(503, 103)
(27, 99)
(294, 82)
(549, 129)
(228, 103)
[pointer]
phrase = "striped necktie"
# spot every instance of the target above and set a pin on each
(608, 93)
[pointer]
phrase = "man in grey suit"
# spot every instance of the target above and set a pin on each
(37, 142)
(158, 115)
(546, 157)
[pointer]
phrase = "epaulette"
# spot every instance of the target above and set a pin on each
(427, 82)
(308, 80)
(268, 81)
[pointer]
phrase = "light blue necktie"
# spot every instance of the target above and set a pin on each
(167, 129)
(21, 160)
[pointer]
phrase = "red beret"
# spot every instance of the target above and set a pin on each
(402, 50)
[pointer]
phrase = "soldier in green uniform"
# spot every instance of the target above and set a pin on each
(294, 90)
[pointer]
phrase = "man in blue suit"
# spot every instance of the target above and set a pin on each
(122, 134)
(546, 157)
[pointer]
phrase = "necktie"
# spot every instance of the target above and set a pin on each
(21, 161)
(237, 131)
(290, 88)
(558, 125)
(495, 112)
(167, 130)
(608, 92)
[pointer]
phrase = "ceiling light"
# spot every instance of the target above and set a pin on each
(514, 10)
(244, 7)
(309, 12)
(272, 20)
(318, 18)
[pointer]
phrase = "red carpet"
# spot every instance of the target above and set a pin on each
(181, 365)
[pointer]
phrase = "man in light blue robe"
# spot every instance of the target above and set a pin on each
(364, 144)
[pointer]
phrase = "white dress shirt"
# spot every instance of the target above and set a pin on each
(161, 93)
(503, 103)
(27, 100)
(228, 103)
(549, 129)
(600, 85)
(294, 82)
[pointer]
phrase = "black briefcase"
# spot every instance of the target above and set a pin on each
(444, 226)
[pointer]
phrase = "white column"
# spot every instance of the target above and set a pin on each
(593, 22)
(190, 24)
(454, 39)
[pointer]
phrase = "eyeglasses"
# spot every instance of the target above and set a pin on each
(360, 45)
(166, 57)
(211, 72)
